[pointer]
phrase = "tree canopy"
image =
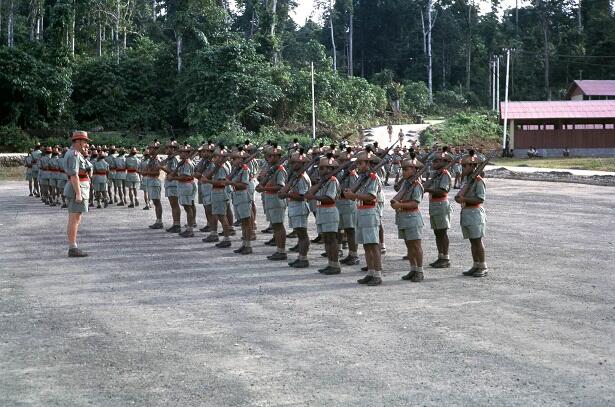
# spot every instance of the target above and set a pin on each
(207, 67)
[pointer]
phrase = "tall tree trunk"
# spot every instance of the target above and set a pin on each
(579, 18)
(274, 10)
(545, 32)
(350, 43)
(72, 31)
(10, 24)
(332, 36)
(153, 10)
(99, 37)
(1, 1)
(178, 51)
(429, 56)
(116, 36)
(469, 50)
(443, 65)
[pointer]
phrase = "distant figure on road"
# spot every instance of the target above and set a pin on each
(400, 136)
(390, 131)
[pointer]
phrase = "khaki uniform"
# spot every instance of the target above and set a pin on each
(410, 222)
(186, 190)
(144, 178)
(100, 180)
(440, 208)
(346, 208)
(120, 171)
(327, 215)
(220, 196)
(36, 155)
(275, 207)
(77, 165)
(44, 173)
(242, 200)
(62, 178)
(368, 216)
(132, 163)
(28, 164)
(110, 159)
(154, 185)
(170, 187)
(298, 209)
(473, 217)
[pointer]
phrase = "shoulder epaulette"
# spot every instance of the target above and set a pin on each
(445, 171)
(245, 167)
(479, 178)
(353, 173)
(281, 168)
(373, 175)
(333, 178)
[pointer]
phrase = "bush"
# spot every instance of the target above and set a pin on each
(464, 128)
(416, 98)
(14, 140)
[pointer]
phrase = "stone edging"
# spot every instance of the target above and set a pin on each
(551, 176)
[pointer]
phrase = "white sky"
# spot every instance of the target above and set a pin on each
(305, 8)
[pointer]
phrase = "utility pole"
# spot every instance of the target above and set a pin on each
(506, 98)
(497, 82)
(492, 67)
(313, 107)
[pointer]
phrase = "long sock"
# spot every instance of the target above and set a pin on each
(72, 245)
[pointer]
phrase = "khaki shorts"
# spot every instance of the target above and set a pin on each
(440, 221)
(414, 233)
(243, 210)
(77, 207)
(327, 227)
(473, 231)
(219, 207)
(276, 215)
(154, 192)
(299, 221)
(132, 184)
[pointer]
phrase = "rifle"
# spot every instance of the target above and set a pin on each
(322, 182)
(447, 167)
(365, 176)
(243, 162)
(409, 181)
(294, 179)
(477, 171)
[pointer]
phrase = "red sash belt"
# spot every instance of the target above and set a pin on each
(130, 170)
(118, 170)
(409, 210)
(100, 173)
(84, 178)
(366, 206)
(439, 199)
(326, 205)
(472, 206)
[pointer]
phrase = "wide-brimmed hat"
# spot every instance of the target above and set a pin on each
(411, 162)
(80, 135)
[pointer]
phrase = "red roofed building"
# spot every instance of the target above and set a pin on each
(591, 90)
(586, 127)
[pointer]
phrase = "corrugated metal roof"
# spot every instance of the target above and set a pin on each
(594, 87)
(566, 109)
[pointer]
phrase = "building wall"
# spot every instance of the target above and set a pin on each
(558, 139)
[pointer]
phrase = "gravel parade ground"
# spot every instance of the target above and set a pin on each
(152, 319)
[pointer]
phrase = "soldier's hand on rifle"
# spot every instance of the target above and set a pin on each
(348, 194)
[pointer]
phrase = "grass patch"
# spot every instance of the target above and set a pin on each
(13, 174)
(465, 128)
(574, 163)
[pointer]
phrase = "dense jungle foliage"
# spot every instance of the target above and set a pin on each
(201, 68)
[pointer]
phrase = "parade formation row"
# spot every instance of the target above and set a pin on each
(341, 187)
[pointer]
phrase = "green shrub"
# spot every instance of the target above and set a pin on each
(14, 140)
(464, 128)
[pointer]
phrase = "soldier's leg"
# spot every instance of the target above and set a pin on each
(229, 215)
(253, 220)
(123, 187)
(415, 254)
(368, 248)
(130, 195)
(303, 243)
(158, 210)
(190, 221)
(332, 249)
(226, 230)
(175, 210)
(74, 219)
(383, 248)
(30, 186)
(352, 257)
(212, 223)
(279, 235)
(37, 191)
(478, 254)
